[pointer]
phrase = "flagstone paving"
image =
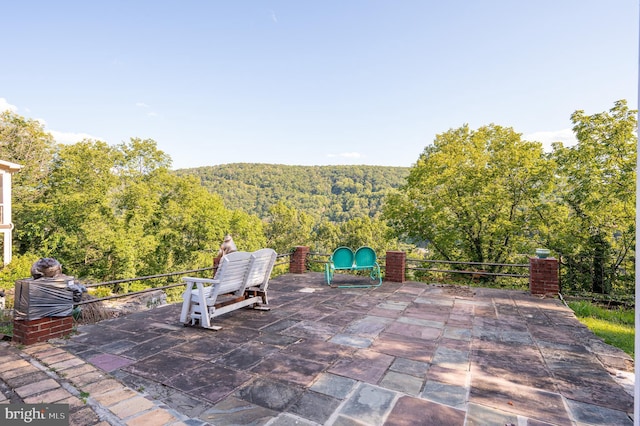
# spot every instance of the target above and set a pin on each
(400, 354)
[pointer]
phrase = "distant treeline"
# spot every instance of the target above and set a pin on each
(333, 193)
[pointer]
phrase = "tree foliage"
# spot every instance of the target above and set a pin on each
(334, 193)
(287, 228)
(25, 142)
(487, 195)
(474, 195)
(596, 184)
(109, 212)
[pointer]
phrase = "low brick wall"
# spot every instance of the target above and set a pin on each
(544, 276)
(395, 264)
(29, 332)
(298, 260)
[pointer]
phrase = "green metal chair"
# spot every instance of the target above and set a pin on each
(341, 259)
(366, 259)
(344, 259)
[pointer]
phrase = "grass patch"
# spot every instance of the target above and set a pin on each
(6, 322)
(614, 326)
(6, 328)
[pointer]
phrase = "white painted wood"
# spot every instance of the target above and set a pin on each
(240, 274)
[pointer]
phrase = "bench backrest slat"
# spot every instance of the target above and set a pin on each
(232, 272)
(261, 267)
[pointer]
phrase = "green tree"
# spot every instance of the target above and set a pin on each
(143, 173)
(75, 214)
(597, 186)
(142, 157)
(188, 224)
(117, 212)
(287, 228)
(474, 195)
(24, 141)
(247, 231)
(326, 237)
(364, 231)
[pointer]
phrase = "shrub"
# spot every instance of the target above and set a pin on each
(19, 268)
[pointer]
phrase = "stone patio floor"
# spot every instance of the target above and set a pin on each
(401, 354)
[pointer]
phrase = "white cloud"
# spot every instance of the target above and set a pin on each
(4, 105)
(565, 136)
(152, 114)
(142, 105)
(70, 137)
(346, 155)
(59, 137)
(274, 18)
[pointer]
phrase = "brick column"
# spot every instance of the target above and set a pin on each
(298, 260)
(28, 332)
(395, 265)
(543, 276)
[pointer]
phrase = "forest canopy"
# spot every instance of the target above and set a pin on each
(333, 193)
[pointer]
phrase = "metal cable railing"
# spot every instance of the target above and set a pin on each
(313, 258)
(480, 273)
(148, 277)
(451, 262)
(151, 277)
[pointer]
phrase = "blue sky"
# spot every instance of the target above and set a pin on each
(313, 82)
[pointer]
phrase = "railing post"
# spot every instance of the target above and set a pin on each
(395, 265)
(298, 260)
(544, 276)
(28, 332)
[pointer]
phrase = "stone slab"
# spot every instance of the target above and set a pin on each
(401, 382)
(365, 365)
(198, 381)
(109, 362)
(336, 386)
(369, 404)
(162, 366)
(290, 368)
(504, 395)
(271, 394)
(410, 411)
(316, 407)
(408, 366)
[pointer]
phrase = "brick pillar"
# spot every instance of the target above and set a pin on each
(544, 276)
(28, 332)
(395, 265)
(298, 260)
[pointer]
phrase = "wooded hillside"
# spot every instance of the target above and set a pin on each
(334, 193)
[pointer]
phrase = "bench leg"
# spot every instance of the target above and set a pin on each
(186, 304)
(205, 318)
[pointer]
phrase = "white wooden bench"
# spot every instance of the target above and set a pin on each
(241, 280)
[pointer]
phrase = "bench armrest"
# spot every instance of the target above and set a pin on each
(193, 280)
